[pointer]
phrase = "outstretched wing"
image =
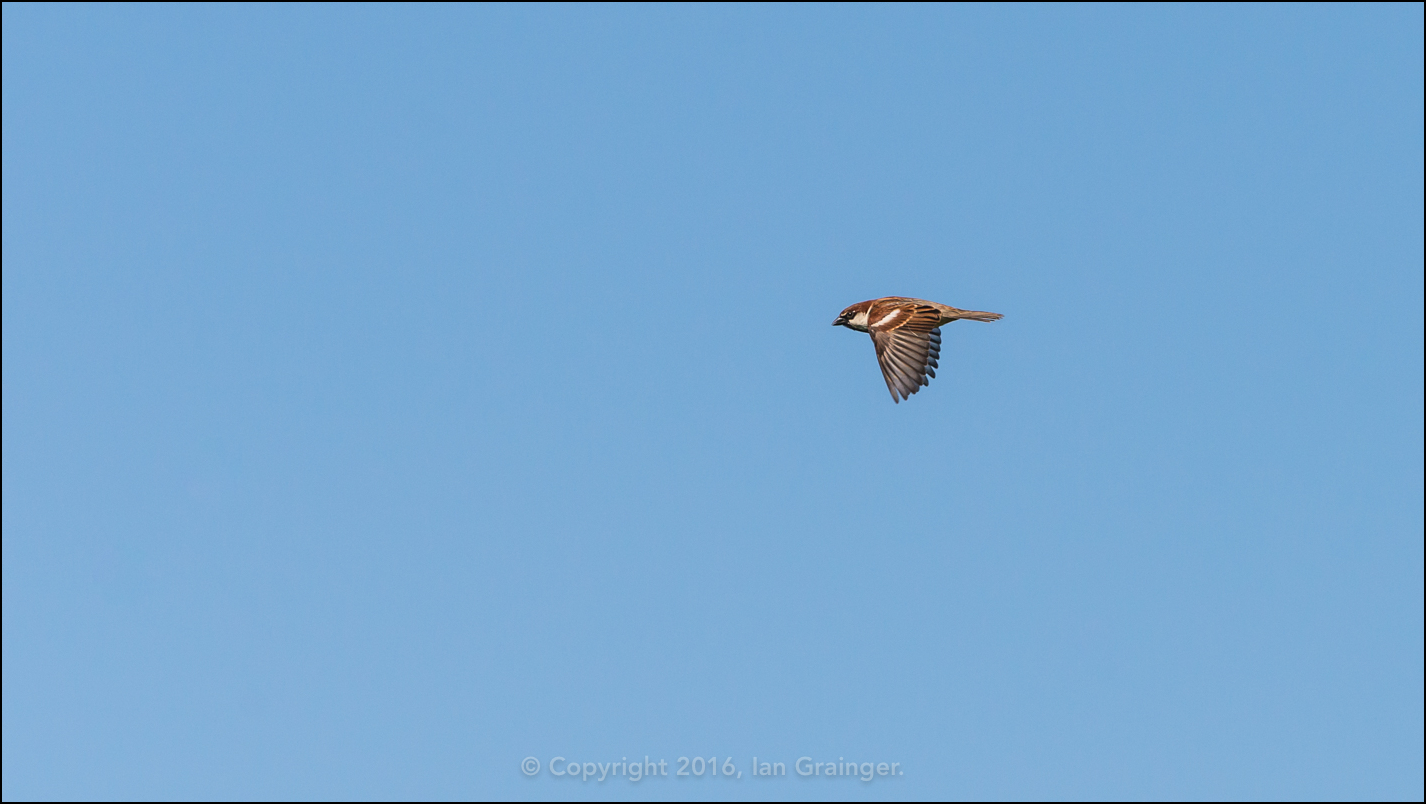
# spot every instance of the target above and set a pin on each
(908, 344)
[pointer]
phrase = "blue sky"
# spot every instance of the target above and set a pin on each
(392, 393)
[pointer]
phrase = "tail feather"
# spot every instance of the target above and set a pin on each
(975, 315)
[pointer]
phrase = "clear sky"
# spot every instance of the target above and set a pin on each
(395, 393)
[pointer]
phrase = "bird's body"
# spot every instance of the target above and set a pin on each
(907, 336)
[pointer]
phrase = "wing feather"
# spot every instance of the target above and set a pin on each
(908, 345)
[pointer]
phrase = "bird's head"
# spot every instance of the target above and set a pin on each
(854, 317)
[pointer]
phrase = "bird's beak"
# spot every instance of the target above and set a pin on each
(840, 321)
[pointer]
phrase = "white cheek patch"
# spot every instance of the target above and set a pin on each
(891, 316)
(859, 319)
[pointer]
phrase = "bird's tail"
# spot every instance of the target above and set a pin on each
(975, 315)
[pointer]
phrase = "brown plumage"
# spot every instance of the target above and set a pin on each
(907, 336)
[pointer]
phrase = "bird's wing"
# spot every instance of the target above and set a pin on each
(908, 344)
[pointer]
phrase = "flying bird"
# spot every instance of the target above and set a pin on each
(907, 336)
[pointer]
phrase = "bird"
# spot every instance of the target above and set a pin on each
(907, 336)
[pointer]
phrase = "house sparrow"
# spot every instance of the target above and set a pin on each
(907, 336)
